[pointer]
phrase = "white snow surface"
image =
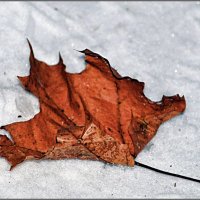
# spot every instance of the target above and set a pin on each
(155, 42)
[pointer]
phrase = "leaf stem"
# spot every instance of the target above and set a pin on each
(167, 173)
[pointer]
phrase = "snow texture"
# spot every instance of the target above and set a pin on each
(155, 42)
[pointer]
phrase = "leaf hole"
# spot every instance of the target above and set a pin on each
(109, 129)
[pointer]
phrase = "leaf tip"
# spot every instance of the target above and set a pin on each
(86, 52)
(11, 168)
(30, 47)
(77, 50)
(60, 59)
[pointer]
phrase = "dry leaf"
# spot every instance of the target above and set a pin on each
(95, 114)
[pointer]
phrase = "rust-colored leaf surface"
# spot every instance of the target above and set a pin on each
(95, 115)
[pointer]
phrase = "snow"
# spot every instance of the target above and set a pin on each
(155, 42)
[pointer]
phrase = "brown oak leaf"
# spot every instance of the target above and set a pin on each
(96, 114)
